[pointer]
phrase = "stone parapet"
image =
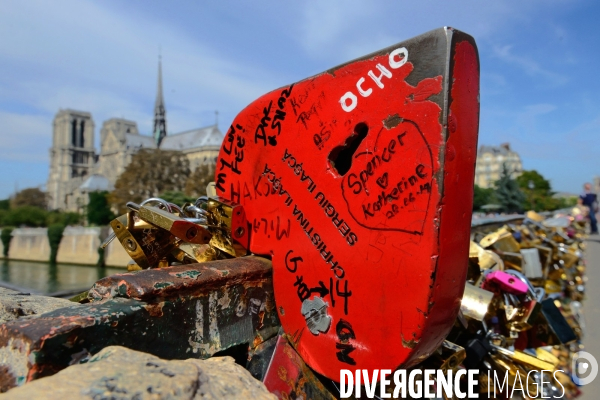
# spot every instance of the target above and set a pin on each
(115, 255)
(29, 244)
(118, 372)
(79, 245)
(187, 311)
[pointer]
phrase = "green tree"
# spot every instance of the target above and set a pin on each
(4, 204)
(25, 215)
(6, 237)
(507, 192)
(98, 210)
(482, 196)
(538, 192)
(32, 197)
(195, 186)
(150, 173)
(63, 218)
(55, 234)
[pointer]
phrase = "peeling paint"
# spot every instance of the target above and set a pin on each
(408, 344)
(191, 274)
(155, 310)
(392, 121)
(213, 327)
(225, 301)
(162, 285)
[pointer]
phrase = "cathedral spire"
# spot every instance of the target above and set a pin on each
(160, 117)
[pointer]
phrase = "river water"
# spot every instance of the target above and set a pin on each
(44, 278)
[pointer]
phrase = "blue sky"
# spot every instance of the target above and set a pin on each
(539, 67)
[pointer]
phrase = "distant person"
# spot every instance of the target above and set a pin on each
(590, 200)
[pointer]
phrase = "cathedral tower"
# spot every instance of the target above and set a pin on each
(71, 155)
(160, 117)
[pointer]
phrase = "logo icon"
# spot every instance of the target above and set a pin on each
(584, 367)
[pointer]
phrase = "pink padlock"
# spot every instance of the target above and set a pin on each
(505, 282)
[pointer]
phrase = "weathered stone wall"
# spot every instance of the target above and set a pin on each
(79, 245)
(14, 305)
(120, 373)
(180, 312)
(29, 244)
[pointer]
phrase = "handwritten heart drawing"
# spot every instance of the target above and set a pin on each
(388, 186)
(382, 181)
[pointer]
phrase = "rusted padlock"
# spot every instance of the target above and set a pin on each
(358, 182)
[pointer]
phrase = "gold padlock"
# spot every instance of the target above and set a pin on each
(177, 226)
(145, 244)
(475, 302)
(501, 240)
(517, 374)
(229, 227)
(527, 360)
(486, 259)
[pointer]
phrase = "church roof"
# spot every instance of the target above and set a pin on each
(96, 182)
(201, 137)
(135, 141)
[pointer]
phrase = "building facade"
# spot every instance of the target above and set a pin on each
(72, 156)
(76, 168)
(491, 161)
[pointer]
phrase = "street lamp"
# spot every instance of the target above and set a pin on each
(531, 186)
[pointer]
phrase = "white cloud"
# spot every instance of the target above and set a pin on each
(528, 65)
(95, 59)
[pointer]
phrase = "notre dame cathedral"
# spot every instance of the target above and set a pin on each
(76, 169)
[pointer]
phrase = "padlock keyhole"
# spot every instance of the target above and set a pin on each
(341, 156)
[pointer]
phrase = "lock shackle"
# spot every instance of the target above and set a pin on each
(160, 201)
(176, 208)
(201, 200)
(197, 211)
(533, 292)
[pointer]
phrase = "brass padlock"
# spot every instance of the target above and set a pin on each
(475, 302)
(177, 226)
(486, 259)
(502, 240)
(527, 360)
(517, 375)
(144, 243)
(229, 227)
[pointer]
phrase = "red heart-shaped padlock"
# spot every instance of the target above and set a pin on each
(359, 183)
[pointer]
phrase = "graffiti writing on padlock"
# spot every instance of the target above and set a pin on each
(396, 59)
(382, 189)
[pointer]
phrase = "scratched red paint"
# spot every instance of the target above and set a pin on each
(371, 270)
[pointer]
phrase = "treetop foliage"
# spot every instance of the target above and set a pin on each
(160, 173)
(196, 184)
(32, 197)
(529, 191)
(150, 173)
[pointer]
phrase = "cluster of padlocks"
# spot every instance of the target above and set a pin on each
(157, 233)
(521, 310)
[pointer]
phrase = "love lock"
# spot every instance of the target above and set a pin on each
(359, 183)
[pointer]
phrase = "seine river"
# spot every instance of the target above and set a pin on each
(44, 278)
